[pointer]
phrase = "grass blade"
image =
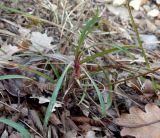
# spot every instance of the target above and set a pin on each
(100, 97)
(30, 70)
(100, 54)
(4, 77)
(17, 126)
(54, 69)
(54, 96)
(90, 26)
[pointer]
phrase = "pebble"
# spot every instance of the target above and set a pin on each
(157, 23)
(118, 2)
(121, 11)
(158, 1)
(147, 8)
(149, 41)
(136, 4)
(153, 13)
(108, 1)
(157, 32)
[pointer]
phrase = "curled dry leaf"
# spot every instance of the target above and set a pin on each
(55, 120)
(6, 51)
(141, 124)
(83, 119)
(36, 120)
(147, 87)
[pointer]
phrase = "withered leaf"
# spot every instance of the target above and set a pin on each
(141, 124)
(36, 120)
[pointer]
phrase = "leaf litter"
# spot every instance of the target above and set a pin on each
(38, 40)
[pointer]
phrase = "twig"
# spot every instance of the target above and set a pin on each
(137, 35)
(136, 76)
(9, 106)
(137, 125)
(32, 128)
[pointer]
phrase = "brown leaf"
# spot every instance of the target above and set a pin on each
(141, 124)
(16, 135)
(2, 127)
(15, 118)
(13, 87)
(148, 87)
(83, 119)
(54, 132)
(36, 120)
(54, 119)
(46, 86)
(68, 123)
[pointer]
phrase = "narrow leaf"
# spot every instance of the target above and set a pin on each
(30, 70)
(54, 96)
(4, 77)
(17, 126)
(100, 97)
(100, 54)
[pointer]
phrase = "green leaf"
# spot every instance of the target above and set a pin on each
(101, 54)
(109, 96)
(100, 97)
(4, 77)
(89, 27)
(54, 96)
(55, 70)
(17, 126)
(30, 70)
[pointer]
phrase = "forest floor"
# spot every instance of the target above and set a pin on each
(79, 68)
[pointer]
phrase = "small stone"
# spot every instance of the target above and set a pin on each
(108, 1)
(157, 23)
(121, 11)
(146, 8)
(153, 13)
(137, 3)
(149, 41)
(151, 26)
(118, 2)
(158, 1)
(157, 32)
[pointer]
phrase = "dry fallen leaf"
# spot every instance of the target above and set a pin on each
(147, 87)
(43, 100)
(36, 120)
(141, 124)
(6, 51)
(39, 42)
